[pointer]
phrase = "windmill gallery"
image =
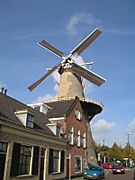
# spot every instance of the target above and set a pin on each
(52, 139)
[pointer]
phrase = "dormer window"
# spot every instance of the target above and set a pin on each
(30, 121)
(55, 128)
(26, 117)
(42, 107)
(78, 115)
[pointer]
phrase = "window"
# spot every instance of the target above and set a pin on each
(25, 117)
(84, 140)
(71, 136)
(78, 164)
(3, 147)
(3, 150)
(56, 161)
(37, 108)
(85, 163)
(78, 138)
(25, 159)
(78, 115)
(58, 131)
(30, 121)
(75, 138)
(81, 141)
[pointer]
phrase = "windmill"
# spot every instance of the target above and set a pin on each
(71, 72)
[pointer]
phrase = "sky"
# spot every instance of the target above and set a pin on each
(64, 24)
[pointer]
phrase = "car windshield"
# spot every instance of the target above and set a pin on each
(118, 166)
(93, 168)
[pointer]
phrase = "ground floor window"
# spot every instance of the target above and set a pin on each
(3, 147)
(78, 164)
(25, 160)
(56, 158)
(3, 151)
(85, 163)
(56, 161)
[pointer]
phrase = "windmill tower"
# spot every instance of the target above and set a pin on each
(71, 74)
(70, 85)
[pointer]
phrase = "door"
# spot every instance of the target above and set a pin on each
(2, 165)
(67, 172)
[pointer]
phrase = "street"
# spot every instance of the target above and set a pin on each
(127, 176)
(109, 176)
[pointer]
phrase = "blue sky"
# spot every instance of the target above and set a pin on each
(64, 24)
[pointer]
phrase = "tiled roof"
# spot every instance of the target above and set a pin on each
(59, 108)
(8, 107)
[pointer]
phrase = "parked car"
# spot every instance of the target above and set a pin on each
(118, 169)
(94, 172)
(107, 166)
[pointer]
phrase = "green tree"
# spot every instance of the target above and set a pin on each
(115, 153)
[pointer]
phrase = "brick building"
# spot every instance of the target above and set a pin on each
(73, 116)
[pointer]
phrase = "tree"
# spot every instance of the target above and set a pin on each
(115, 153)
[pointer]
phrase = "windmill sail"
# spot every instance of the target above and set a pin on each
(89, 75)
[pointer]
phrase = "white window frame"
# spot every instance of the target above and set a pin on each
(80, 158)
(84, 140)
(58, 161)
(78, 114)
(71, 136)
(78, 138)
(30, 160)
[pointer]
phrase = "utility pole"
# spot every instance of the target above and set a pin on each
(128, 136)
(128, 143)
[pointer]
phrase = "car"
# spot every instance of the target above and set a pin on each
(118, 169)
(94, 172)
(107, 165)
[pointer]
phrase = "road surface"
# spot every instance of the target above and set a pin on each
(127, 176)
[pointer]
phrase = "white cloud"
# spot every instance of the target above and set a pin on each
(102, 126)
(43, 98)
(131, 126)
(121, 31)
(81, 19)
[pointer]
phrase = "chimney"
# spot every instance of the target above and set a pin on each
(3, 90)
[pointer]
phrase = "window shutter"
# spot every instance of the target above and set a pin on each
(62, 161)
(15, 160)
(35, 162)
(50, 168)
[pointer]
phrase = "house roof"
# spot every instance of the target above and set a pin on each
(59, 108)
(63, 107)
(8, 107)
